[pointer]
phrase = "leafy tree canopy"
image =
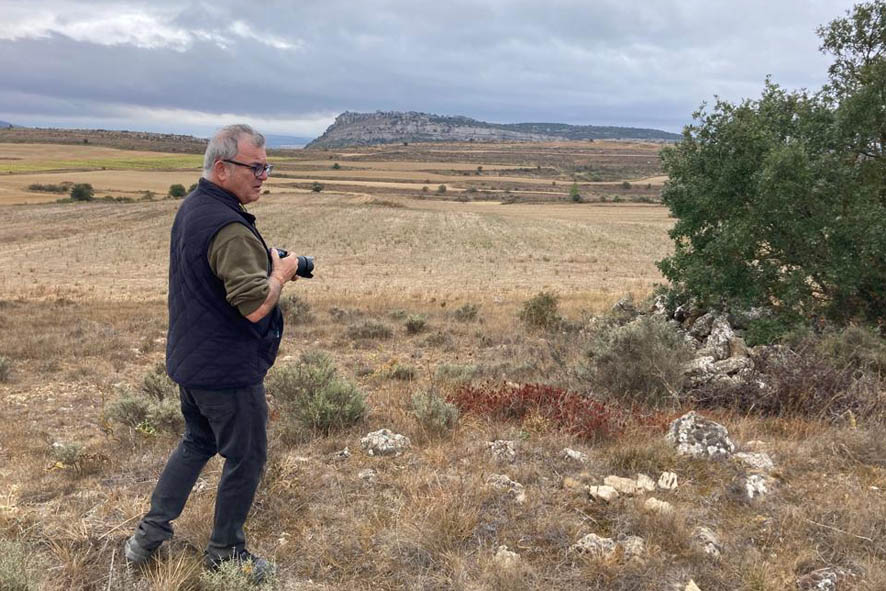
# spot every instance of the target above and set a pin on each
(781, 201)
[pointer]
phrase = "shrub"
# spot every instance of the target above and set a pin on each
(82, 192)
(434, 413)
(467, 313)
(61, 188)
(855, 346)
(541, 311)
(336, 166)
(157, 384)
(296, 310)
(406, 373)
(176, 191)
(5, 369)
(574, 193)
(441, 189)
(573, 413)
(146, 413)
(17, 567)
(316, 187)
(313, 399)
(640, 361)
(416, 323)
(129, 409)
(66, 454)
(625, 185)
(369, 329)
(234, 575)
(192, 188)
(451, 372)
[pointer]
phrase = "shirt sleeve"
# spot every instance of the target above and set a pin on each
(238, 258)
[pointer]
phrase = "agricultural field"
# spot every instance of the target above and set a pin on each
(431, 305)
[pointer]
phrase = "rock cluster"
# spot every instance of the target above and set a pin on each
(384, 443)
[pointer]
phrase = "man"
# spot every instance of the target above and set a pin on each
(224, 332)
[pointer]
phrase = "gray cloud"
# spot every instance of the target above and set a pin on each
(292, 66)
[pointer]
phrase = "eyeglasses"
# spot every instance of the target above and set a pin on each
(257, 169)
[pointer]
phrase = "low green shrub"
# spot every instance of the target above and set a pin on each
(451, 372)
(146, 413)
(467, 312)
(67, 454)
(296, 310)
(541, 311)
(17, 567)
(5, 369)
(157, 384)
(370, 329)
(641, 361)
(434, 413)
(416, 323)
(405, 373)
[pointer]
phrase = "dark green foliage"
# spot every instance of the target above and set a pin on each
(146, 414)
(541, 311)
(61, 188)
(639, 362)
(316, 187)
(82, 192)
(781, 201)
(336, 166)
(441, 189)
(574, 193)
(192, 188)
(416, 323)
(177, 191)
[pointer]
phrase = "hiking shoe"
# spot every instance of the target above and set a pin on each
(135, 553)
(257, 569)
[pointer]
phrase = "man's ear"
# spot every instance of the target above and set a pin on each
(220, 170)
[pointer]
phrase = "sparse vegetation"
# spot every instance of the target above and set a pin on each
(370, 329)
(82, 192)
(316, 187)
(5, 369)
(17, 568)
(416, 323)
(296, 309)
(435, 415)
(541, 311)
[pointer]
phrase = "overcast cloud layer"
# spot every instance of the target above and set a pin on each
(290, 67)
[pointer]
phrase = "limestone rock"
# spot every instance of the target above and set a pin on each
(755, 486)
(634, 547)
(691, 586)
(575, 455)
(824, 579)
(720, 336)
(667, 481)
(369, 476)
(505, 558)
(502, 450)
(705, 540)
(384, 443)
(759, 461)
(701, 328)
(699, 437)
(595, 546)
(653, 505)
(503, 482)
(603, 493)
(645, 483)
(623, 485)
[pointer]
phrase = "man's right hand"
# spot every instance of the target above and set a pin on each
(284, 269)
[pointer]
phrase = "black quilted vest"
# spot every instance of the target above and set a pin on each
(210, 345)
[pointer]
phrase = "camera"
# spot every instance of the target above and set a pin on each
(305, 264)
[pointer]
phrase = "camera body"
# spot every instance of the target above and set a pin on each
(305, 264)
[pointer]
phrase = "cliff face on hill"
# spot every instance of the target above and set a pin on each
(384, 127)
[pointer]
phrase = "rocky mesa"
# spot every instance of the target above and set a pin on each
(384, 127)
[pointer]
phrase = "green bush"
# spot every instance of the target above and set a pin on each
(855, 346)
(541, 311)
(17, 567)
(5, 369)
(82, 192)
(61, 188)
(369, 329)
(574, 193)
(467, 313)
(176, 191)
(157, 384)
(67, 454)
(641, 361)
(416, 323)
(296, 310)
(441, 189)
(316, 187)
(313, 398)
(453, 372)
(434, 414)
(406, 373)
(146, 413)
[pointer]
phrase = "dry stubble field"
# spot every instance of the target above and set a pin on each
(83, 318)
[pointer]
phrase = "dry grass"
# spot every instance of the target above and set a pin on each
(82, 312)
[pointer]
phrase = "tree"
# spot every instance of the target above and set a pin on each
(82, 192)
(781, 201)
(574, 193)
(177, 191)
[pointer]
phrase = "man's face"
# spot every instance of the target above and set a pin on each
(240, 180)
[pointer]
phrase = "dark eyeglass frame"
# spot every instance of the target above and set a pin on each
(257, 169)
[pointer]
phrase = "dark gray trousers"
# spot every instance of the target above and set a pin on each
(232, 423)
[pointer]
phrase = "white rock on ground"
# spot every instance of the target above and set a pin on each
(502, 450)
(653, 505)
(504, 482)
(694, 435)
(756, 461)
(667, 481)
(384, 443)
(705, 540)
(578, 456)
(634, 547)
(602, 493)
(595, 546)
(625, 486)
(505, 558)
(368, 475)
(691, 586)
(755, 486)
(645, 483)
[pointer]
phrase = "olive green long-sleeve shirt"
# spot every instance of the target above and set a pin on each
(238, 258)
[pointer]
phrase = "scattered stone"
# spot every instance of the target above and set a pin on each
(720, 336)
(570, 483)
(645, 483)
(603, 493)
(595, 546)
(691, 586)
(699, 437)
(384, 443)
(505, 558)
(660, 306)
(653, 505)
(823, 579)
(369, 476)
(705, 540)
(502, 450)
(623, 485)
(342, 455)
(633, 547)
(755, 486)
(578, 456)
(625, 306)
(667, 481)
(756, 461)
(504, 482)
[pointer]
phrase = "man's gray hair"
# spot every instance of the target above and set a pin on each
(223, 145)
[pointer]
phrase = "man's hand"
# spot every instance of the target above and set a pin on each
(284, 269)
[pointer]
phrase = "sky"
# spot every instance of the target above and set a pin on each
(289, 67)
